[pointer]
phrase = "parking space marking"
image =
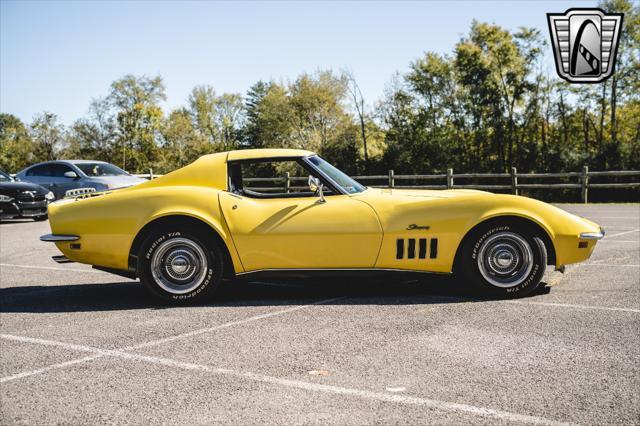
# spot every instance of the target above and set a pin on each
(618, 265)
(299, 384)
(52, 268)
(48, 368)
(229, 324)
(569, 305)
(551, 304)
(621, 233)
(166, 339)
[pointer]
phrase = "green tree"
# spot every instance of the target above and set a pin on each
(182, 144)
(16, 146)
(94, 136)
(48, 136)
(135, 101)
(218, 118)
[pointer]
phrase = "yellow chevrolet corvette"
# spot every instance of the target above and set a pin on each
(275, 211)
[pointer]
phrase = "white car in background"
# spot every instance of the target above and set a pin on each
(61, 176)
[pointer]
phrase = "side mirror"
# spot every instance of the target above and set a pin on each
(317, 188)
(71, 174)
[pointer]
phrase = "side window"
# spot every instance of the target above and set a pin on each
(43, 170)
(271, 179)
(58, 170)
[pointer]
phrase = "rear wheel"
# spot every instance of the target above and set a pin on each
(504, 260)
(180, 267)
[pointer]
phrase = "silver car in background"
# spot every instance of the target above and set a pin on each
(77, 176)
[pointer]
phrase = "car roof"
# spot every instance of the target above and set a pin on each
(66, 162)
(250, 154)
(82, 161)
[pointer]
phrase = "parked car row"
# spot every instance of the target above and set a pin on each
(22, 199)
(28, 195)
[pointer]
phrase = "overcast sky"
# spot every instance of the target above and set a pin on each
(57, 56)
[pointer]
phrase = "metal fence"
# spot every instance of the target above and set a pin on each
(512, 182)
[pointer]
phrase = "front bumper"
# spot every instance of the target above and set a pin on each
(18, 209)
(592, 235)
(56, 238)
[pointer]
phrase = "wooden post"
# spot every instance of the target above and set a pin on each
(585, 184)
(449, 178)
(150, 174)
(392, 180)
(514, 181)
(287, 183)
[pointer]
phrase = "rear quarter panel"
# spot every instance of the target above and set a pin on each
(108, 224)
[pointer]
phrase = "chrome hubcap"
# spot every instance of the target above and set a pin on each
(179, 265)
(505, 259)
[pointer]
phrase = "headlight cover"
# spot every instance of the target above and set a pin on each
(5, 198)
(50, 196)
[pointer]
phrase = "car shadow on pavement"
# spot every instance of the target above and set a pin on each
(132, 295)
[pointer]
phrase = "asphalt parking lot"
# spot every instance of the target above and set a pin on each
(79, 346)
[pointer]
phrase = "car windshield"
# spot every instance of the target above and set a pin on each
(5, 177)
(100, 169)
(340, 178)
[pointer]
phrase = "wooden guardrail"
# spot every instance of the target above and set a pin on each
(581, 181)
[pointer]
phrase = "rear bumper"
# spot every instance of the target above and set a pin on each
(53, 238)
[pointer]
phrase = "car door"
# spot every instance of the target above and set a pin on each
(60, 183)
(40, 174)
(293, 229)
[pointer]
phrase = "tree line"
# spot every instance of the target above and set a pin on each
(486, 106)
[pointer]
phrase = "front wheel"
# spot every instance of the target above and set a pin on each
(504, 260)
(41, 218)
(180, 267)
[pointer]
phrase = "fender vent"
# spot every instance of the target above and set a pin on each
(433, 253)
(422, 253)
(399, 248)
(411, 248)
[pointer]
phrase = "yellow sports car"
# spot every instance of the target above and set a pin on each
(276, 211)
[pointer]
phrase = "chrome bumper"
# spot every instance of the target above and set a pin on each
(592, 235)
(57, 238)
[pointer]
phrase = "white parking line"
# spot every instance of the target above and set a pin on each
(48, 368)
(227, 325)
(550, 304)
(568, 305)
(616, 265)
(169, 339)
(615, 217)
(51, 268)
(621, 233)
(299, 384)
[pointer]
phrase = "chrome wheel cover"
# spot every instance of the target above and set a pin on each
(179, 265)
(505, 259)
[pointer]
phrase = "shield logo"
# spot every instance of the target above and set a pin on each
(585, 43)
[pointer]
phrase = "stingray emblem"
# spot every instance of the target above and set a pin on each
(585, 43)
(413, 226)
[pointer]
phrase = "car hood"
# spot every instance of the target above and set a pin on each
(408, 194)
(14, 188)
(118, 181)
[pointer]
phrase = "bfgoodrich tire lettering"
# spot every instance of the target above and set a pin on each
(179, 266)
(503, 260)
